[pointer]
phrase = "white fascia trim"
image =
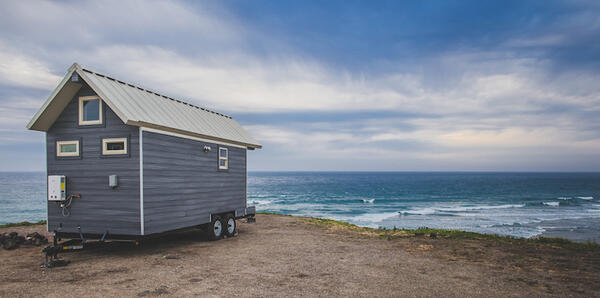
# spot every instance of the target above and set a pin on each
(50, 98)
(188, 137)
(141, 145)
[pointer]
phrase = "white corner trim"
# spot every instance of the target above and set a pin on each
(141, 145)
(46, 154)
(188, 137)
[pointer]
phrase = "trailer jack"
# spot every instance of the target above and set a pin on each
(51, 258)
(51, 252)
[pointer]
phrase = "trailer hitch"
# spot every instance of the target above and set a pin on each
(51, 252)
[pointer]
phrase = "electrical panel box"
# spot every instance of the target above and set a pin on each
(57, 188)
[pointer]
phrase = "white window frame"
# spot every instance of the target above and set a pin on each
(59, 153)
(82, 99)
(226, 158)
(105, 150)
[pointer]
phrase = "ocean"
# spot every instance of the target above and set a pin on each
(517, 204)
(22, 196)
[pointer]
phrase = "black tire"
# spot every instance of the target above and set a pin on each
(229, 220)
(215, 229)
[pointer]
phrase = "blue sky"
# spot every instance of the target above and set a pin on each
(333, 85)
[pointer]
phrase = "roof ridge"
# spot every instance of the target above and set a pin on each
(155, 93)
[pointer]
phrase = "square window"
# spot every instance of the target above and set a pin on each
(223, 158)
(67, 148)
(90, 110)
(115, 146)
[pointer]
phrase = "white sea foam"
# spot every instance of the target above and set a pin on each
(553, 204)
(422, 211)
(374, 217)
(370, 201)
(564, 198)
(586, 198)
(259, 202)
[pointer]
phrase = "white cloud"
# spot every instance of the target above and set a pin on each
(15, 113)
(540, 41)
(430, 145)
(240, 82)
(88, 23)
(22, 70)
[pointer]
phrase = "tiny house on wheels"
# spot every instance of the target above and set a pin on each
(124, 162)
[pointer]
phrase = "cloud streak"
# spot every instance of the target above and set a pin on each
(21, 70)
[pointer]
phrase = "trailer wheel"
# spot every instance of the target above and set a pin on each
(230, 225)
(215, 230)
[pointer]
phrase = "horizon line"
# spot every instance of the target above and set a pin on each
(388, 171)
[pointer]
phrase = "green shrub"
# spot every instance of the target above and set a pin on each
(392, 233)
(24, 223)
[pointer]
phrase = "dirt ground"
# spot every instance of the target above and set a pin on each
(288, 256)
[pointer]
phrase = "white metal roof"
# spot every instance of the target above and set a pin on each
(141, 107)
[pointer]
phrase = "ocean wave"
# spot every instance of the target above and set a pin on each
(553, 204)
(370, 201)
(482, 207)
(573, 203)
(445, 210)
(564, 198)
(373, 217)
(586, 198)
(260, 195)
(506, 225)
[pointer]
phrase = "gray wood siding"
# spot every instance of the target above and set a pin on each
(183, 185)
(100, 208)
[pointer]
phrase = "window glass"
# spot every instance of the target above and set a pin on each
(115, 145)
(91, 110)
(223, 163)
(223, 152)
(67, 148)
